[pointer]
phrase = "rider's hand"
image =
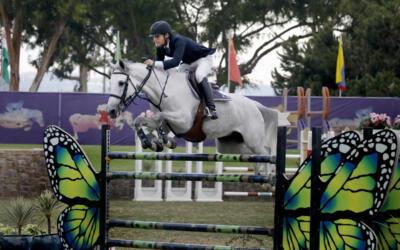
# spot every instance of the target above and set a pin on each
(149, 62)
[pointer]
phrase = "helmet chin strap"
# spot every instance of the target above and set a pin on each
(166, 40)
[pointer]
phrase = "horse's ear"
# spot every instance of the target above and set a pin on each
(123, 65)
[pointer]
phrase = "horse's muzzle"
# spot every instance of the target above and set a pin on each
(112, 113)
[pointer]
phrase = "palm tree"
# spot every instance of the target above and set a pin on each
(18, 213)
(46, 204)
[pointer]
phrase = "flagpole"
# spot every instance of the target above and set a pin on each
(229, 62)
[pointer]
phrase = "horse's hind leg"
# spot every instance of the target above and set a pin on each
(257, 146)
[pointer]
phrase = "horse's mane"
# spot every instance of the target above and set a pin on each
(132, 63)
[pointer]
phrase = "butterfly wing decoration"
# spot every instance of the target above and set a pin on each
(297, 196)
(386, 223)
(353, 190)
(74, 182)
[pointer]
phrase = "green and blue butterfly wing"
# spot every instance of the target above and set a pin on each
(386, 223)
(79, 227)
(356, 186)
(74, 182)
(346, 234)
(360, 186)
(70, 171)
(297, 196)
(356, 193)
(333, 152)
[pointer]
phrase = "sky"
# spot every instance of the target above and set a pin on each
(260, 77)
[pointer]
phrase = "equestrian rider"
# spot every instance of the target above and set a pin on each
(196, 57)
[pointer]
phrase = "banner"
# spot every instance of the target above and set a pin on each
(25, 115)
(5, 61)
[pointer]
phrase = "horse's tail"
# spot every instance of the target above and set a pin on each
(272, 119)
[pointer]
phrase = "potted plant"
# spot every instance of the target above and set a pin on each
(376, 121)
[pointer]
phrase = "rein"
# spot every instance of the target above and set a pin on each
(126, 101)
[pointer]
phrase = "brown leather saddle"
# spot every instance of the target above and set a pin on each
(195, 133)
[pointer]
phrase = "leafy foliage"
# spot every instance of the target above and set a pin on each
(18, 213)
(370, 32)
(45, 205)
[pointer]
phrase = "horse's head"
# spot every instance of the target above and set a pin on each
(123, 89)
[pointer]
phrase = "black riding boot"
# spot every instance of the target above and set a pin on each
(206, 89)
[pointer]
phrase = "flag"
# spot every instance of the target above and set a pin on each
(234, 72)
(340, 76)
(117, 54)
(6, 59)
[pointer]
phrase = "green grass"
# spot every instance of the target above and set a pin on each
(94, 152)
(228, 213)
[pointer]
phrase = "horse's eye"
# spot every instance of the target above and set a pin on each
(121, 83)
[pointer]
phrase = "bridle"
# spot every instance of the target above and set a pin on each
(125, 101)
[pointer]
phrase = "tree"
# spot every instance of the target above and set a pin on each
(83, 38)
(56, 13)
(370, 32)
(308, 66)
(80, 44)
(15, 18)
(246, 21)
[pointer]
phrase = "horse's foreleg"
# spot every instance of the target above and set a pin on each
(167, 141)
(147, 140)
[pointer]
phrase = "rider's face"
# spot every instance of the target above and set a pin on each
(159, 39)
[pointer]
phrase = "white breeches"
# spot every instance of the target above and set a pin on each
(201, 67)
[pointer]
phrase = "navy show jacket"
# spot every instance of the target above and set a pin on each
(182, 49)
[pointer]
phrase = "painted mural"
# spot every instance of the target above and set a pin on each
(24, 115)
(18, 117)
(81, 123)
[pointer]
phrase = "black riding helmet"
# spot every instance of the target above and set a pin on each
(160, 27)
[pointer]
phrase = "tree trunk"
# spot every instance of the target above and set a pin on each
(48, 225)
(83, 78)
(13, 43)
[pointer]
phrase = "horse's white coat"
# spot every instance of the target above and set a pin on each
(256, 123)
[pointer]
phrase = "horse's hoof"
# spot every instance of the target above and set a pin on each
(171, 143)
(146, 144)
(156, 146)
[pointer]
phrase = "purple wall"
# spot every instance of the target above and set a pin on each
(24, 115)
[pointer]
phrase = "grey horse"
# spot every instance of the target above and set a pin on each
(244, 126)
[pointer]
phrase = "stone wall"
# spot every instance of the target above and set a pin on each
(22, 173)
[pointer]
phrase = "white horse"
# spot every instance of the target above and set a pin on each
(244, 126)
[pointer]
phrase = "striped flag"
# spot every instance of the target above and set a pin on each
(117, 54)
(340, 76)
(6, 59)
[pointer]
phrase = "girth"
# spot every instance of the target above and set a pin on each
(195, 133)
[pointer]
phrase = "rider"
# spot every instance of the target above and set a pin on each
(196, 57)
